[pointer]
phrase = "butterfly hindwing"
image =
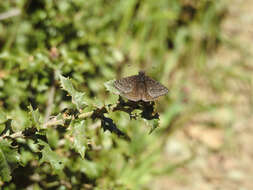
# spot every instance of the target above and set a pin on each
(132, 96)
(140, 87)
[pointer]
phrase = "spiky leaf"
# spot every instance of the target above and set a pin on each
(48, 155)
(79, 137)
(78, 98)
(9, 158)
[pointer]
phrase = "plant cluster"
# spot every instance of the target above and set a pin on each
(61, 126)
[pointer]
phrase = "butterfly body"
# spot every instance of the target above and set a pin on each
(140, 87)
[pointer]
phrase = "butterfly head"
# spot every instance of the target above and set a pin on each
(142, 75)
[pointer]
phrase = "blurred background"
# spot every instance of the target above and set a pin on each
(200, 49)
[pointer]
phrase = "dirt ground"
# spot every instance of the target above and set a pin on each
(223, 155)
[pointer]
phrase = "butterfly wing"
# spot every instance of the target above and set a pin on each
(154, 88)
(128, 87)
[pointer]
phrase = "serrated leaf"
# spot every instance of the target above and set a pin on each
(55, 160)
(35, 117)
(78, 98)
(110, 87)
(9, 158)
(5, 172)
(79, 137)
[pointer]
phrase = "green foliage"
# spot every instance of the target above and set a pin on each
(3, 117)
(73, 132)
(109, 86)
(51, 157)
(35, 117)
(9, 158)
(78, 98)
(79, 137)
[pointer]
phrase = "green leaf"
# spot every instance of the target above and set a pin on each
(35, 117)
(87, 167)
(52, 137)
(9, 159)
(110, 87)
(154, 123)
(25, 157)
(79, 137)
(2, 127)
(5, 171)
(55, 160)
(78, 98)
(3, 117)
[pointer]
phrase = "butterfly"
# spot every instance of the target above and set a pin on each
(140, 87)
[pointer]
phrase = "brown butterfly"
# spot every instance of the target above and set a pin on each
(140, 87)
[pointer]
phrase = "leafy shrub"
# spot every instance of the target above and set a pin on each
(50, 138)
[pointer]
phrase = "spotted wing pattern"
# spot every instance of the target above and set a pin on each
(154, 88)
(128, 87)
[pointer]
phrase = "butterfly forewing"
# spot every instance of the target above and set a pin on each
(128, 87)
(154, 88)
(125, 85)
(140, 87)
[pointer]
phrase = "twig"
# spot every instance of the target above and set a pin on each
(13, 136)
(8, 14)
(50, 102)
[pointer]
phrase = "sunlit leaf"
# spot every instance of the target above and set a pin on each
(110, 87)
(87, 167)
(3, 117)
(78, 133)
(78, 98)
(35, 117)
(48, 155)
(154, 123)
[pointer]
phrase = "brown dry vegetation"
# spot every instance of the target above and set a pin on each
(224, 154)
